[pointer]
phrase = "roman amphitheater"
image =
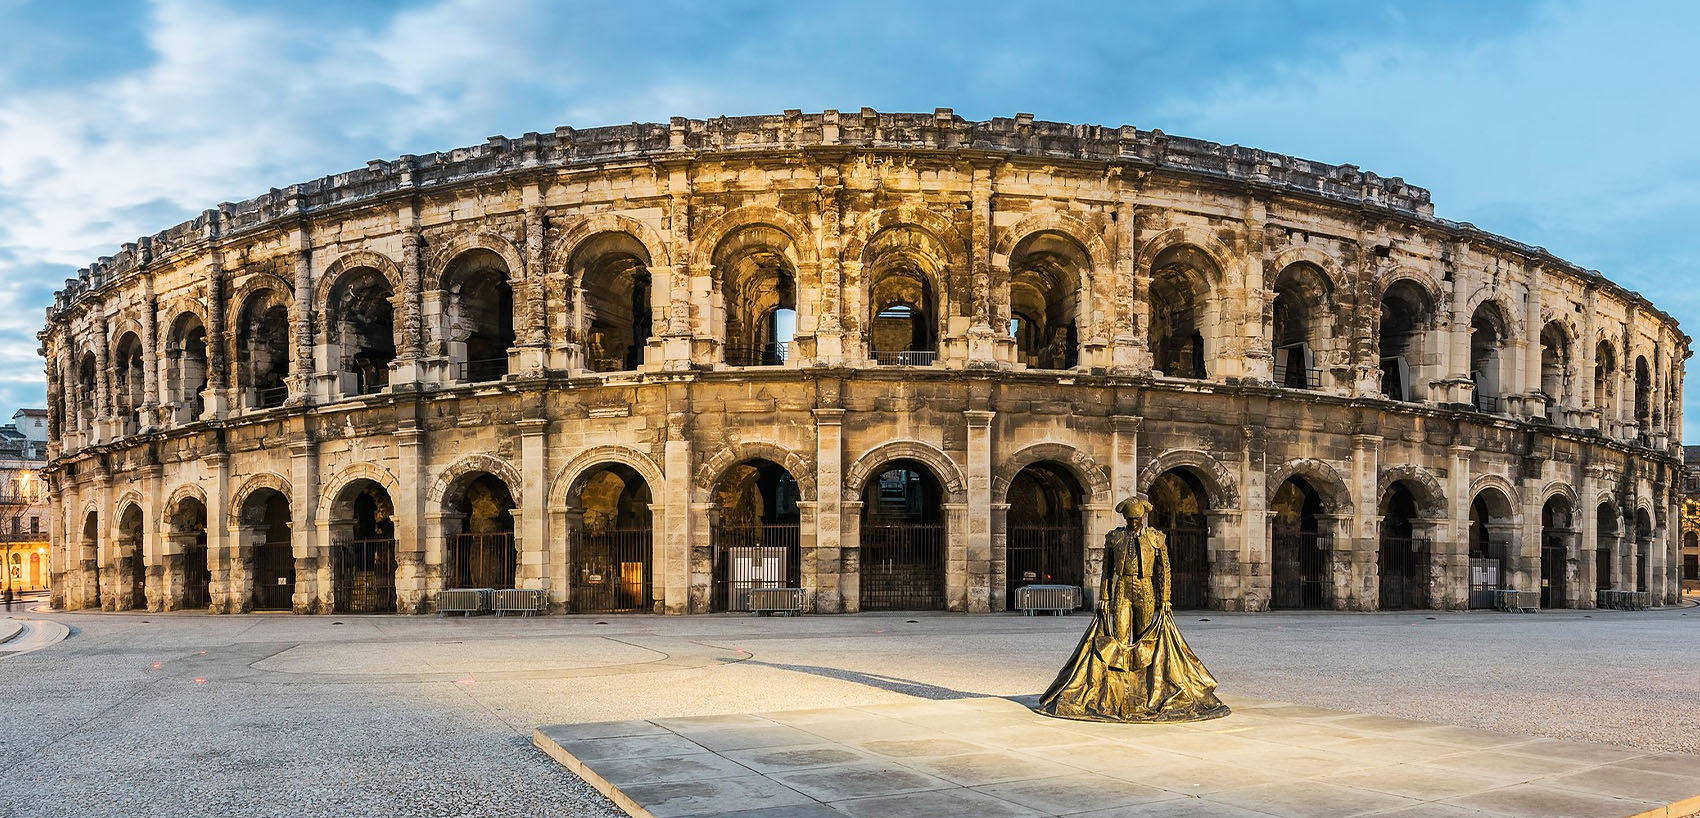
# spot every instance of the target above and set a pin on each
(898, 361)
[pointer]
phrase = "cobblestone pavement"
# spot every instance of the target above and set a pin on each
(188, 714)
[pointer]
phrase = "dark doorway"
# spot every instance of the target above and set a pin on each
(1044, 532)
(481, 545)
(363, 550)
(1404, 558)
(1605, 539)
(613, 544)
(755, 533)
(266, 519)
(902, 540)
(1179, 503)
(1299, 549)
(130, 547)
(189, 529)
(1556, 533)
(1490, 515)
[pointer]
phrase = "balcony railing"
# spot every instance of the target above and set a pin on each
(774, 354)
(485, 369)
(1297, 377)
(908, 357)
(271, 397)
(1486, 403)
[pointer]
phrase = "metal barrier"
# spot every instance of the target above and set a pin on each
(1058, 599)
(486, 369)
(1620, 600)
(522, 601)
(1298, 377)
(271, 398)
(767, 601)
(466, 601)
(772, 354)
(1513, 601)
(907, 357)
(1043, 555)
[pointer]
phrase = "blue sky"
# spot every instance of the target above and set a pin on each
(1570, 125)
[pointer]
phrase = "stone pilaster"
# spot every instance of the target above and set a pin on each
(977, 571)
(831, 595)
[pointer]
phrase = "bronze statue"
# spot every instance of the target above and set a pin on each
(1132, 665)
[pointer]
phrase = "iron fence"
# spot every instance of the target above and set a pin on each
(272, 397)
(1043, 555)
(907, 357)
(1189, 567)
(274, 576)
(1485, 403)
(772, 354)
(902, 567)
(1553, 590)
(1484, 581)
(480, 561)
(482, 370)
(1301, 571)
(363, 576)
(612, 570)
(753, 556)
(1404, 573)
(1298, 377)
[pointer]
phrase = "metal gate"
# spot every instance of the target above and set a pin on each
(902, 567)
(1404, 573)
(1602, 567)
(1300, 572)
(363, 576)
(274, 576)
(612, 571)
(1043, 555)
(1552, 575)
(197, 577)
(1484, 580)
(1189, 567)
(138, 581)
(481, 561)
(753, 556)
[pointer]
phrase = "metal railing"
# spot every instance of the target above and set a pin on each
(363, 576)
(481, 370)
(1043, 555)
(612, 570)
(1298, 377)
(271, 397)
(480, 561)
(751, 557)
(1404, 573)
(907, 357)
(774, 354)
(1484, 580)
(1485, 403)
(902, 567)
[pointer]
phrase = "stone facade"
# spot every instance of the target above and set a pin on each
(912, 360)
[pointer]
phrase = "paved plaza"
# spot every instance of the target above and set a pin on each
(190, 714)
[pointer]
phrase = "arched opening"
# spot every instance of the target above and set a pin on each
(903, 539)
(262, 349)
(1557, 532)
(186, 367)
(1555, 369)
(1179, 506)
(265, 532)
(904, 299)
(88, 386)
(90, 559)
(1690, 556)
(480, 315)
(1406, 315)
(1299, 328)
(611, 275)
(363, 548)
(1045, 530)
(132, 564)
(1491, 529)
(757, 271)
(1643, 396)
(1045, 275)
(755, 533)
(189, 536)
(1643, 547)
(479, 530)
(1299, 558)
(1487, 350)
(1605, 381)
(128, 382)
(1403, 556)
(1179, 296)
(1605, 547)
(360, 331)
(612, 542)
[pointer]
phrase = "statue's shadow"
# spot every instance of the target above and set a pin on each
(893, 684)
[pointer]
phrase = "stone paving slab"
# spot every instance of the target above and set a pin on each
(994, 757)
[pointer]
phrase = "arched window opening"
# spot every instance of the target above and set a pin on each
(361, 327)
(755, 533)
(363, 562)
(1605, 381)
(1302, 296)
(186, 367)
(611, 274)
(1300, 568)
(1491, 528)
(1044, 534)
(1179, 506)
(1046, 271)
(262, 350)
(1487, 342)
(129, 382)
(1556, 535)
(481, 315)
(132, 563)
(1643, 547)
(1179, 295)
(1555, 370)
(1690, 556)
(270, 555)
(757, 271)
(189, 538)
(905, 298)
(1406, 316)
(89, 560)
(1404, 564)
(88, 385)
(903, 539)
(480, 535)
(1643, 396)
(1605, 547)
(612, 543)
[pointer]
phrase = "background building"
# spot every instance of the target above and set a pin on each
(23, 501)
(901, 361)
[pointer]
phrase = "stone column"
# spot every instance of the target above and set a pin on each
(827, 344)
(103, 380)
(220, 543)
(408, 365)
(1587, 571)
(532, 344)
(831, 595)
(1256, 565)
(215, 398)
(672, 558)
(150, 355)
(977, 567)
(982, 340)
(300, 378)
(705, 519)
(851, 555)
(1227, 580)
(1452, 555)
(153, 544)
(411, 584)
(533, 567)
(1344, 594)
(1132, 305)
(1365, 540)
(312, 585)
